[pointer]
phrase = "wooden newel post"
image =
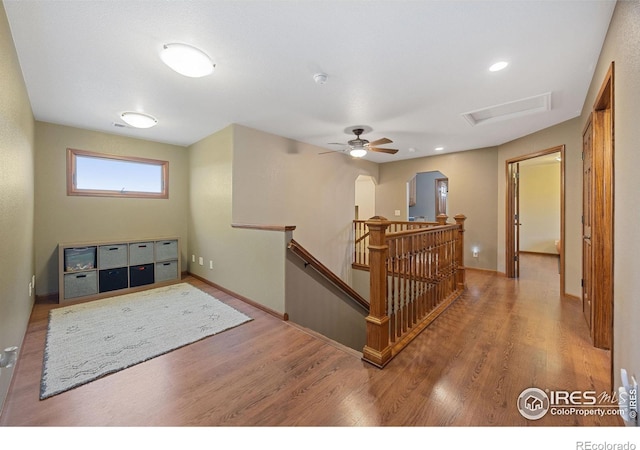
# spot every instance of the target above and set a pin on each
(460, 218)
(377, 350)
(442, 219)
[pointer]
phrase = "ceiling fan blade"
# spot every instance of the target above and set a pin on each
(380, 142)
(331, 151)
(391, 151)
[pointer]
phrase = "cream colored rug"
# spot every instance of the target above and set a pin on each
(90, 340)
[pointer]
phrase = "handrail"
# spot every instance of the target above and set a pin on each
(364, 236)
(250, 226)
(361, 236)
(397, 234)
(414, 223)
(327, 273)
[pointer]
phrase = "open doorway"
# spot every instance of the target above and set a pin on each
(365, 198)
(535, 208)
(427, 196)
(540, 209)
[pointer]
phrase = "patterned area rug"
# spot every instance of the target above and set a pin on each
(90, 340)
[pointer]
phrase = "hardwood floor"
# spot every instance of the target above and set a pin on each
(466, 369)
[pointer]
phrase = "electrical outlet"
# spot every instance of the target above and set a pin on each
(397, 212)
(201, 260)
(210, 264)
(30, 288)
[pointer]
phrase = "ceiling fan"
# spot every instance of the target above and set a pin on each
(359, 147)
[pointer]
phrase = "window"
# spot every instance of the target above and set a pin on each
(94, 174)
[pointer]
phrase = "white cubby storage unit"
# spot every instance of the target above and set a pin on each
(90, 271)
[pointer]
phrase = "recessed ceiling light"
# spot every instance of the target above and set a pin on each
(439, 149)
(498, 66)
(187, 60)
(138, 120)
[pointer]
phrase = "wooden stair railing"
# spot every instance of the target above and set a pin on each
(415, 274)
(361, 241)
(309, 259)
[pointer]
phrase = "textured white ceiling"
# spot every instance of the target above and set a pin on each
(407, 69)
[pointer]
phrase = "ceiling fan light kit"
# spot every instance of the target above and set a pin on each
(358, 152)
(358, 147)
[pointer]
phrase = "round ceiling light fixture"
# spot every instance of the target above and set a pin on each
(139, 120)
(187, 60)
(498, 66)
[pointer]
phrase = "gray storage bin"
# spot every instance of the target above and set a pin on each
(80, 284)
(112, 256)
(166, 271)
(140, 253)
(166, 250)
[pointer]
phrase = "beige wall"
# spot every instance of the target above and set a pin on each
(315, 303)
(472, 191)
(569, 134)
(279, 181)
(16, 200)
(539, 207)
(62, 218)
(621, 46)
(237, 255)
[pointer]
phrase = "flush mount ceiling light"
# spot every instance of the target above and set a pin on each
(138, 120)
(498, 66)
(187, 60)
(439, 149)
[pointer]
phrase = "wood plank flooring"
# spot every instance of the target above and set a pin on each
(466, 369)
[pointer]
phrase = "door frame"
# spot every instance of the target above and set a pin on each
(602, 210)
(587, 217)
(511, 235)
(513, 220)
